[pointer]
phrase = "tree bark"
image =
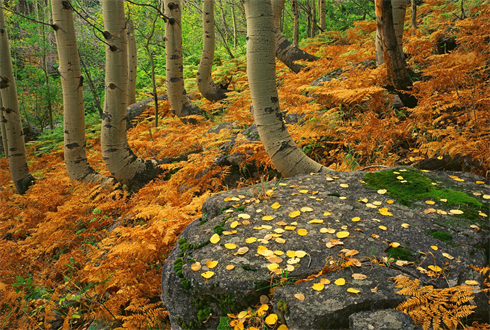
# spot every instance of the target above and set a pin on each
(179, 102)
(132, 63)
(4, 131)
(395, 63)
(77, 165)
(205, 82)
(313, 18)
(285, 51)
(323, 14)
(294, 8)
(398, 13)
(288, 159)
(19, 171)
(413, 18)
(120, 160)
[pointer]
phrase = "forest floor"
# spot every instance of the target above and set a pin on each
(75, 252)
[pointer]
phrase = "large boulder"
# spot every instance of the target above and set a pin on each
(364, 229)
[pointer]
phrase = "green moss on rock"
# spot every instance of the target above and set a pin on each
(401, 254)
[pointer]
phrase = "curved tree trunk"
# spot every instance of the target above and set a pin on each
(288, 159)
(413, 17)
(394, 60)
(399, 11)
(285, 51)
(76, 162)
(323, 14)
(132, 64)
(118, 156)
(179, 102)
(19, 171)
(205, 82)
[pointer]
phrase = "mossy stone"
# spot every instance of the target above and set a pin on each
(401, 254)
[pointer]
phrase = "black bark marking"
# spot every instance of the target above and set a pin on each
(112, 86)
(284, 145)
(66, 5)
(172, 6)
(174, 57)
(107, 35)
(55, 27)
(4, 82)
(269, 110)
(8, 110)
(2, 31)
(113, 48)
(171, 21)
(274, 99)
(72, 145)
(112, 150)
(174, 80)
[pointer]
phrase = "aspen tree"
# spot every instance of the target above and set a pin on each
(205, 82)
(285, 51)
(288, 159)
(19, 171)
(123, 164)
(77, 165)
(399, 10)
(132, 63)
(181, 105)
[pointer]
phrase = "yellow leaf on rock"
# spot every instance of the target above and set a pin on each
(279, 230)
(289, 228)
(390, 201)
(273, 266)
(326, 214)
(339, 281)
(405, 225)
(230, 267)
(211, 263)
(304, 191)
(382, 227)
(316, 221)
(344, 185)
(371, 206)
(280, 240)
(242, 250)
(435, 248)
(267, 218)
(318, 286)
(325, 281)
(230, 246)
(276, 205)
(271, 319)
(356, 219)
(207, 274)
(214, 239)
(291, 254)
(382, 191)
(281, 327)
(196, 266)
(399, 177)
(234, 224)
(251, 240)
(302, 232)
(471, 282)
(357, 276)
(244, 216)
(384, 211)
(294, 214)
(394, 244)
(300, 254)
(306, 209)
(352, 290)
(447, 255)
(435, 268)
(343, 234)
(480, 182)
(430, 202)
(242, 314)
(299, 296)
(456, 211)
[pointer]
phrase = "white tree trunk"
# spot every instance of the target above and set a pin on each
(19, 171)
(288, 159)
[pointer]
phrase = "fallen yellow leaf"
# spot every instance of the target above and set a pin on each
(339, 281)
(294, 214)
(273, 266)
(325, 281)
(405, 225)
(435, 248)
(447, 255)
(276, 205)
(316, 221)
(306, 209)
(303, 191)
(251, 240)
(299, 296)
(352, 290)
(230, 246)
(211, 263)
(456, 211)
(390, 201)
(271, 319)
(302, 232)
(300, 254)
(214, 239)
(207, 274)
(242, 250)
(395, 244)
(356, 219)
(326, 214)
(318, 286)
(290, 228)
(471, 282)
(230, 267)
(244, 216)
(382, 191)
(357, 276)
(344, 185)
(196, 266)
(382, 227)
(267, 218)
(435, 268)
(430, 202)
(234, 224)
(480, 182)
(343, 234)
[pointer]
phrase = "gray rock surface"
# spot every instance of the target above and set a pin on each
(385, 319)
(343, 202)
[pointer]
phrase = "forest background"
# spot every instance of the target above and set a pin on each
(74, 252)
